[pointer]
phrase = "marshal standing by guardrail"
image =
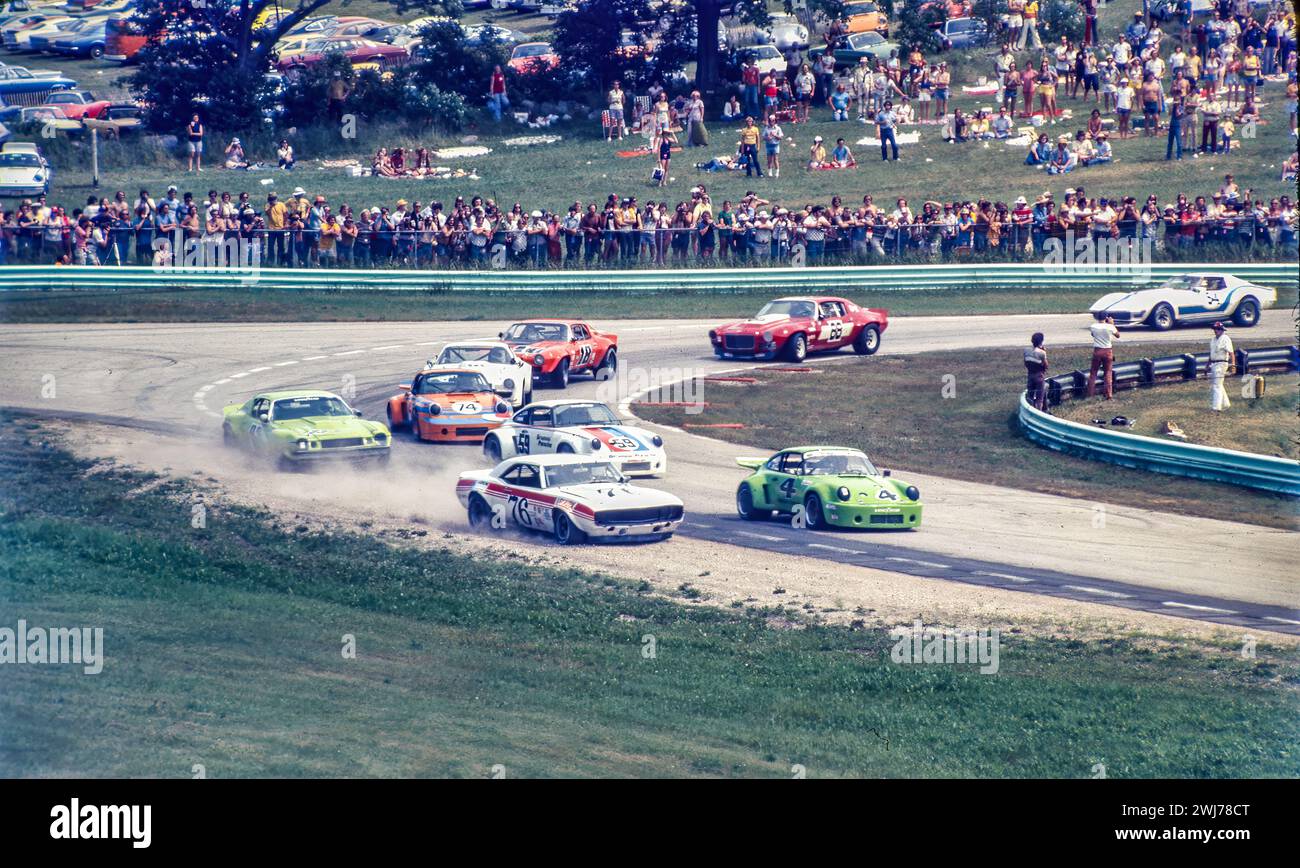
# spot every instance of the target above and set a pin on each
(1164, 456)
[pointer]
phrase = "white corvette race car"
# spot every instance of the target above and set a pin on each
(573, 497)
(579, 428)
(1188, 298)
(510, 377)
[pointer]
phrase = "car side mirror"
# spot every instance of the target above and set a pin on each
(404, 387)
(885, 473)
(358, 413)
(501, 335)
(264, 417)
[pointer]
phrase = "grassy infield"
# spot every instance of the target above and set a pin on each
(974, 434)
(223, 643)
(224, 649)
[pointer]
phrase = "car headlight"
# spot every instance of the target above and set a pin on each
(767, 337)
(595, 444)
(843, 492)
(657, 440)
(913, 493)
(503, 407)
(434, 409)
(538, 361)
(508, 384)
(302, 445)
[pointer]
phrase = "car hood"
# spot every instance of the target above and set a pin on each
(616, 495)
(1119, 300)
(328, 426)
(872, 487)
(758, 323)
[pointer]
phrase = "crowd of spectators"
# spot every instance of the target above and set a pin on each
(308, 231)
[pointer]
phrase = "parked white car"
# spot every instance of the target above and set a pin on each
(510, 376)
(578, 428)
(572, 497)
(785, 32)
(23, 171)
(1188, 298)
(766, 57)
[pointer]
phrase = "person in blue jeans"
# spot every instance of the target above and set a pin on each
(886, 121)
(1175, 142)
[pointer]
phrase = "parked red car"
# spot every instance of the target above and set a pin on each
(533, 57)
(356, 50)
(793, 327)
(77, 104)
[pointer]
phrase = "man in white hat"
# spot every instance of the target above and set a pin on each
(1222, 355)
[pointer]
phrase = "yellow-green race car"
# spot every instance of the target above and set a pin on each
(303, 427)
(826, 486)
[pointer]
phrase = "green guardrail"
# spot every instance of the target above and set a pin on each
(1266, 472)
(781, 280)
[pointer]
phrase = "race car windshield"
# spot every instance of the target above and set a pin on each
(584, 414)
(581, 474)
(302, 408)
(492, 355)
(793, 309)
(1184, 282)
(456, 381)
(532, 332)
(838, 464)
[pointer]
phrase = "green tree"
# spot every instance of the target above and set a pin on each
(213, 55)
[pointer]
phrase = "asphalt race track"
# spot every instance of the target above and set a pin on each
(176, 378)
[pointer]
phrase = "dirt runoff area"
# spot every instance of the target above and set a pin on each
(421, 510)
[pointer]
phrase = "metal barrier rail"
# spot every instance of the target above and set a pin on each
(1265, 472)
(828, 278)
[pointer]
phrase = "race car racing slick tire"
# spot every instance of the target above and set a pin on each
(813, 517)
(608, 365)
(228, 437)
(528, 398)
(745, 505)
(565, 532)
(796, 349)
(1247, 313)
(560, 376)
(394, 424)
(867, 341)
(480, 514)
(1162, 318)
(492, 449)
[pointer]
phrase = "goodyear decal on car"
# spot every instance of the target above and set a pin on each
(617, 440)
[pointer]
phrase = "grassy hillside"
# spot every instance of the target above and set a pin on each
(223, 649)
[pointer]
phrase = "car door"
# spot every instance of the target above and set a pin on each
(1190, 303)
(582, 349)
(831, 327)
(782, 489)
(524, 502)
(537, 435)
(257, 429)
(1215, 298)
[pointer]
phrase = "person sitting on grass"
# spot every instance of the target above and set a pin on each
(1002, 124)
(1063, 159)
(1101, 152)
(235, 158)
(285, 155)
(841, 156)
(1040, 152)
(731, 111)
(816, 154)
